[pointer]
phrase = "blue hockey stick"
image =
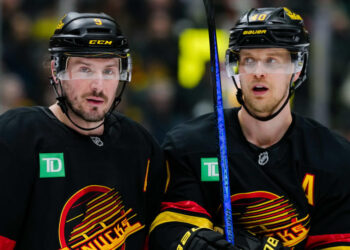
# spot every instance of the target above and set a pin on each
(223, 163)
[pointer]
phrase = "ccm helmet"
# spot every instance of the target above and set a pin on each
(269, 28)
(89, 35)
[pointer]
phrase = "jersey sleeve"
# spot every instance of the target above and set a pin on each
(330, 218)
(183, 206)
(15, 188)
(154, 182)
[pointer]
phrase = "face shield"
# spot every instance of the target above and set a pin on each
(119, 70)
(269, 63)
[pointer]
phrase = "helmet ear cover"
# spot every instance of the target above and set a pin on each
(232, 63)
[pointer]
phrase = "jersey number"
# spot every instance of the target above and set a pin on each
(308, 186)
(260, 17)
(98, 21)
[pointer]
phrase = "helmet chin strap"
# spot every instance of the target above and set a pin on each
(239, 96)
(62, 102)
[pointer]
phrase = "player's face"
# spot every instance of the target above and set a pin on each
(90, 85)
(265, 76)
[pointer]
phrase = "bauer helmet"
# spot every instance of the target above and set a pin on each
(269, 28)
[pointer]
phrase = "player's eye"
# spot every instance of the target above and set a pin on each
(271, 60)
(84, 69)
(109, 72)
(249, 61)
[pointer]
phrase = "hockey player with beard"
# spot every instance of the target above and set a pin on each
(78, 174)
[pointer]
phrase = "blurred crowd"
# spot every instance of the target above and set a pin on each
(156, 98)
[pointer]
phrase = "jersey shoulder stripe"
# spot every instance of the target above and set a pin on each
(327, 239)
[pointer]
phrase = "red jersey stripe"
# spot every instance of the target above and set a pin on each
(319, 240)
(6, 243)
(190, 206)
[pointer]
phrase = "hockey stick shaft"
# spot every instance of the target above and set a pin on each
(223, 163)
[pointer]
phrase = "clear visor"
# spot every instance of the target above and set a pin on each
(249, 63)
(117, 69)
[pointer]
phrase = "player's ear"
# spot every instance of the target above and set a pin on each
(53, 71)
(296, 76)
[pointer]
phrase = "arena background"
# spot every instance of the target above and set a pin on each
(170, 52)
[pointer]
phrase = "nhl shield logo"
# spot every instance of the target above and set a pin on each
(97, 140)
(263, 158)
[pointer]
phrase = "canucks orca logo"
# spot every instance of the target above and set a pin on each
(265, 213)
(95, 218)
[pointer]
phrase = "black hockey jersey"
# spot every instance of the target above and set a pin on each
(297, 190)
(63, 190)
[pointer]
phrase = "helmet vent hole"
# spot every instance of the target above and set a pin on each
(286, 35)
(98, 30)
(74, 32)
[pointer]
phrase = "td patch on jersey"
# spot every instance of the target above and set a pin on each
(51, 165)
(209, 169)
